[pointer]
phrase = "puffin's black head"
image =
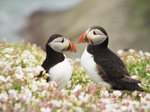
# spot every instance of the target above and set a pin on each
(95, 35)
(59, 43)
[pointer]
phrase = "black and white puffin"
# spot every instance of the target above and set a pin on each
(56, 64)
(102, 65)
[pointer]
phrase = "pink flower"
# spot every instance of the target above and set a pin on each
(134, 93)
(93, 89)
(22, 98)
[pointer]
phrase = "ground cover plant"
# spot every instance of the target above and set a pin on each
(21, 91)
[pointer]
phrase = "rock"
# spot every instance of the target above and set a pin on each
(114, 15)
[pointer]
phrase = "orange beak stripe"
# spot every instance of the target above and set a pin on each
(73, 47)
(81, 39)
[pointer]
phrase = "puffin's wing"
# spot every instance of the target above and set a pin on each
(115, 70)
(129, 79)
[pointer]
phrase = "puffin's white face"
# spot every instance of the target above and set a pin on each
(96, 36)
(61, 44)
(93, 36)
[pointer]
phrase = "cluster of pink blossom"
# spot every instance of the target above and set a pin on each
(21, 91)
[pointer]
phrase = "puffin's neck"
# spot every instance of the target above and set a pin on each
(52, 57)
(104, 44)
(95, 48)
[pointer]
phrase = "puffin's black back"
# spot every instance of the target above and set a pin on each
(112, 69)
(109, 61)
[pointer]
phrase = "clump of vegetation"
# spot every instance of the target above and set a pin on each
(21, 91)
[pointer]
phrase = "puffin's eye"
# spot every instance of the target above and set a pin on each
(62, 40)
(94, 32)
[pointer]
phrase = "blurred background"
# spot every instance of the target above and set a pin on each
(127, 22)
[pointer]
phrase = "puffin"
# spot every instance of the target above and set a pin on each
(102, 65)
(56, 64)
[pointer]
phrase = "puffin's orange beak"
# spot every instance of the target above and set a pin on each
(72, 47)
(81, 39)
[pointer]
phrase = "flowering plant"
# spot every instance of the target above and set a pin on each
(21, 91)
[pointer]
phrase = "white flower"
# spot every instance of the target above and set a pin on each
(78, 59)
(120, 52)
(14, 93)
(56, 103)
(111, 107)
(18, 61)
(28, 69)
(141, 53)
(4, 97)
(78, 109)
(45, 109)
(30, 75)
(93, 106)
(34, 87)
(25, 60)
(17, 106)
(8, 85)
(65, 102)
(19, 70)
(125, 102)
(146, 101)
(27, 92)
(22, 97)
(43, 93)
(84, 97)
(39, 68)
(117, 93)
(53, 85)
(44, 85)
(134, 76)
(7, 56)
(147, 54)
(2, 78)
(135, 104)
(25, 54)
(131, 51)
(64, 92)
(123, 108)
(105, 100)
(130, 58)
(104, 93)
(77, 87)
(19, 76)
(2, 64)
(36, 70)
(8, 50)
(73, 97)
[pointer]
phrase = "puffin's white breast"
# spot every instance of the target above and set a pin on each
(89, 65)
(61, 73)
